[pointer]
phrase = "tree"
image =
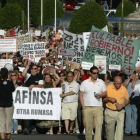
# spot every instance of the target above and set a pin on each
(89, 14)
(11, 15)
(128, 8)
(48, 11)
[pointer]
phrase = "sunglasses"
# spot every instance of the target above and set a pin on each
(34, 68)
(13, 75)
(95, 73)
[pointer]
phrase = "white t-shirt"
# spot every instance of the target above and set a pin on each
(90, 89)
(73, 86)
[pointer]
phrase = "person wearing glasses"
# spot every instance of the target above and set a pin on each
(91, 93)
(70, 90)
(6, 104)
(33, 81)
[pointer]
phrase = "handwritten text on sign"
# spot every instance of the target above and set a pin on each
(33, 50)
(74, 41)
(118, 50)
(38, 104)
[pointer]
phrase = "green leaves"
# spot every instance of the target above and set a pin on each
(89, 14)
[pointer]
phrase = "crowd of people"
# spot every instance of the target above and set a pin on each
(106, 105)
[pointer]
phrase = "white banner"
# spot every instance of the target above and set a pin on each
(74, 41)
(33, 51)
(115, 67)
(5, 61)
(23, 39)
(100, 62)
(37, 104)
(8, 45)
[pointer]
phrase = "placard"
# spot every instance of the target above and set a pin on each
(74, 41)
(5, 61)
(8, 45)
(37, 104)
(100, 62)
(86, 65)
(118, 50)
(115, 67)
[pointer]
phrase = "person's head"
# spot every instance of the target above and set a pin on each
(117, 82)
(14, 75)
(34, 69)
(47, 78)
(75, 71)
(62, 76)
(94, 72)
(70, 76)
(4, 73)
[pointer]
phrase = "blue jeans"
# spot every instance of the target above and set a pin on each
(131, 119)
(14, 125)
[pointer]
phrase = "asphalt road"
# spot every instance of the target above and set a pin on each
(59, 137)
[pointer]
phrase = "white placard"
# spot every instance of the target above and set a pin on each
(100, 62)
(66, 52)
(37, 104)
(74, 41)
(8, 45)
(33, 51)
(115, 67)
(5, 61)
(2, 32)
(23, 39)
(37, 33)
(86, 65)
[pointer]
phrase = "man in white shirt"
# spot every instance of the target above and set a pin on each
(91, 93)
(69, 94)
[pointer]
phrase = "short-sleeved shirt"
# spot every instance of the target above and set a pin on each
(73, 86)
(90, 89)
(119, 94)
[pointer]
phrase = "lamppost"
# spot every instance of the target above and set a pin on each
(122, 20)
(28, 15)
(55, 18)
(41, 12)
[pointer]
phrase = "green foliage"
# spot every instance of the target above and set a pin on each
(129, 7)
(11, 16)
(89, 14)
(48, 11)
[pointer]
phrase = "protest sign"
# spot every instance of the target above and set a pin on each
(86, 65)
(118, 50)
(115, 67)
(3, 62)
(37, 104)
(100, 62)
(33, 51)
(66, 52)
(87, 34)
(2, 32)
(37, 33)
(8, 45)
(74, 41)
(23, 39)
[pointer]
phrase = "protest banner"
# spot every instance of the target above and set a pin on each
(66, 52)
(37, 104)
(74, 41)
(3, 62)
(118, 50)
(100, 62)
(33, 51)
(86, 65)
(23, 39)
(8, 45)
(86, 36)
